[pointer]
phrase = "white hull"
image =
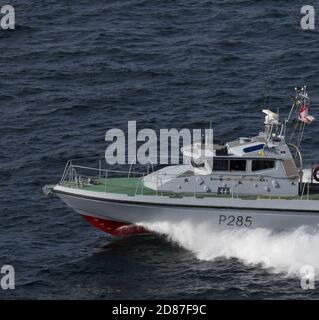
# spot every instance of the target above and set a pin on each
(218, 212)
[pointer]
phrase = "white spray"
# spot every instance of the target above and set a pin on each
(284, 252)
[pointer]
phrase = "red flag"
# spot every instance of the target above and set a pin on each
(304, 115)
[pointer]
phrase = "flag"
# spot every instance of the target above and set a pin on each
(304, 115)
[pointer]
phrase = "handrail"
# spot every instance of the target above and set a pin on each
(129, 172)
(105, 181)
(161, 180)
(221, 175)
(96, 169)
(78, 178)
(136, 188)
(300, 161)
(303, 190)
(71, 168)
(119, 157)
(65, 171)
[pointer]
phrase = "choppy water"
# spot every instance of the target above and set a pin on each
(73, 69)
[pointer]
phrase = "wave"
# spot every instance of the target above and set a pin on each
(280, 252)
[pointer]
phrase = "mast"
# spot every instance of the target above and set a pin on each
(301, 100)
(298, 118)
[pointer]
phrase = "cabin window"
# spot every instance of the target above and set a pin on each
(221, 165)
(258, 165)
(237, 165)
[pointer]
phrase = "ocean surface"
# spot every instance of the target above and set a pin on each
(73, 69)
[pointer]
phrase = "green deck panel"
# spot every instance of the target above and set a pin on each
(130, 186)
(133, 186)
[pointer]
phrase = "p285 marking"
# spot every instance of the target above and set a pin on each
(235, 221)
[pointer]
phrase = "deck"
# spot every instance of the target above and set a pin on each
(134, 186)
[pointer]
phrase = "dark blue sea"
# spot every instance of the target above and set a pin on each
(73, 69)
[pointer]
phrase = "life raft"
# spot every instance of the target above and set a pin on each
(316, 174)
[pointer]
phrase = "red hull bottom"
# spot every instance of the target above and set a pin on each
(115, 228)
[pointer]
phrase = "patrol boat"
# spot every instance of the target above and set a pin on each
(250, 182)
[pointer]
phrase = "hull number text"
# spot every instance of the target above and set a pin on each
(235, 221)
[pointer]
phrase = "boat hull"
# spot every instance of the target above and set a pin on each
(122, 215)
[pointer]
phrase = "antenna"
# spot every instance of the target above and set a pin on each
(277, 125)
(209, 141)
(294, 104)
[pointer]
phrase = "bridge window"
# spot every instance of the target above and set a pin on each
(237, 165)
(258, 165)
(221, 165)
